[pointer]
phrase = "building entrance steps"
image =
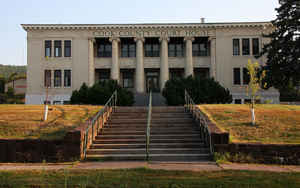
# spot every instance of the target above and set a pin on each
(174, 136)
(142, 99)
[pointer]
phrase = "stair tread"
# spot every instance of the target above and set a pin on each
(151, 155)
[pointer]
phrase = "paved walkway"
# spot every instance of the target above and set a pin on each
(189, 166)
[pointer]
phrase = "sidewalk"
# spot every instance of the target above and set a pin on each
(186, 166)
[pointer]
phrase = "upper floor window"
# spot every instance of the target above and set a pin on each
(246, 46)
(176, 47)
(67, 78)
(152, 47)
(236, 47)
(128, 47)
(255, 46)
(201, 47)
(68, 48)
(47, 78)
(57, 48)
(48, 47)
(57, 78)
(104, 48)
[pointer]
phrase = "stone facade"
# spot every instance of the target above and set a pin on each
(140, 71)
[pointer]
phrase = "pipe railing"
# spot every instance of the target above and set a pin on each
(148, 127)
(103, 114)
(205, 133)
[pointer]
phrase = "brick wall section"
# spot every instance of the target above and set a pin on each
(70, 148)
(264, 153)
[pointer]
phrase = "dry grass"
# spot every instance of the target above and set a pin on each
(276, 124)
(25, 121)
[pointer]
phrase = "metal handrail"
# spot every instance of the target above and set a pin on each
(148, 126)
(205, 133)
(109, 107)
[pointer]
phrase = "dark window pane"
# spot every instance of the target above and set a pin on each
(246, 76)
(47, 78)
(246, 46)
(67, 78)
(48, 47)
(104, 76)
(127, 79)
(57, 78)
(236, 76)
(68, 48)
(238, 101)
(57, 48)
(255, 46)
(236, 47)
(172, 50)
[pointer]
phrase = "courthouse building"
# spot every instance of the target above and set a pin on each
(61, 57)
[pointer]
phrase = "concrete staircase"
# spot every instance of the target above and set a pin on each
(174, 136)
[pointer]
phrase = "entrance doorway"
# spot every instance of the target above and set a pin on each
(152, 81)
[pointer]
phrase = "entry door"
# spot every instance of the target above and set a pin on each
(152, 84)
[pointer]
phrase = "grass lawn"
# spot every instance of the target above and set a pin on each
(145, 178)
(276, 124)
(25, 121)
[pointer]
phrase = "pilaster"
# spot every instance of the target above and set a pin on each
(115, 66)
(213, 71)
(189, 67)
(164, 62)
(139, 72)
(91, 79)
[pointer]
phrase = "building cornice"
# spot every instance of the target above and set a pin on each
(31, 27)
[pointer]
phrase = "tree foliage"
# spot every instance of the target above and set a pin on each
(283, 52)
(202, 90)
(100, 92)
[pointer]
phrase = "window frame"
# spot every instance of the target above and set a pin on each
(48, 45)
(69, 83)
(246, 46)
(238, 47)
(67, 48)
(127, 76)
(57, 79)
(237, 70)
(255, 49)
(47, 80)
(57, 48)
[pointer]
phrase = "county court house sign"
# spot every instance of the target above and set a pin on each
(154, 33)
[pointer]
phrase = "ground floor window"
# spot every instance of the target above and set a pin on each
(238, 101)
(176, 73)
(57, 78)
(103, 75)
(201, 72)
(128, 79)
(67, 78)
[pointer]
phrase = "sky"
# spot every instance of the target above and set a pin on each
(16, 12)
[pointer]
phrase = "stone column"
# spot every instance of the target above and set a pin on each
(139, 71)
(91, 79)
(188, 67)
(164, 62)
(213, 71)
(115, 66)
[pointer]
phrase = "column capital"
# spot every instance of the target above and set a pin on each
(164, 38)
(210, 38)
(92, 39)
(189, 38)
(117, 39)
(136, 39)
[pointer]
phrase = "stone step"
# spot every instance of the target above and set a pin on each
(143, 132)
(158, 136)
(152, 145)
(153, 121)
(138, 141)
(153, 157)
(151, 150)
(154, 109)
(145, 115)
(153, 125)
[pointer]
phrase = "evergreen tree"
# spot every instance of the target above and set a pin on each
(283, 52)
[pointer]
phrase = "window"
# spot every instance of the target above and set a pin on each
(246, 76)
(68, 48)
(48, 47)
(57, 48)
(237, 101)
(255, 46)
(104, 76)
(47, 102)
(236, 47)
(127, 79)
(57, 78)
(128, 47)
(66, 102)
(246, 46)
(176, 47)
(104, 48)
(152, 47)
(236, 76)
(67, 78)
(47, 78)
(201, 47)
(57, 102)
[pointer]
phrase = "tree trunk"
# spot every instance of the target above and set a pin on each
(253, 116)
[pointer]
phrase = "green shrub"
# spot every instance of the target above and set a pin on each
(202, 90)
(100, 92)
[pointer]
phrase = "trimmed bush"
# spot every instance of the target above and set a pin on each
(100, 92)
(202, 90)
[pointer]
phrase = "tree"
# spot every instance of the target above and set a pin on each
(254, 85)
(283, 52)
(202, 90)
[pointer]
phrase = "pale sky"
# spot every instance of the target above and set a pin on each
(16, 12)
